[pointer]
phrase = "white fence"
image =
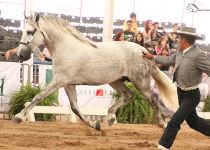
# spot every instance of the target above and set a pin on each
(64, 110)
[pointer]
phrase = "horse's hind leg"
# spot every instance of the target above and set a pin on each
(125, 94)
(72, 95)
(143, 84)
(51, 87)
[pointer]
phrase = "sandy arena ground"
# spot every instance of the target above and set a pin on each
(69, 136)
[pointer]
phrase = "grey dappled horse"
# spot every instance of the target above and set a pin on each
(80, 61)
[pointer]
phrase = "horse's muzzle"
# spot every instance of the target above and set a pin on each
(24, 55)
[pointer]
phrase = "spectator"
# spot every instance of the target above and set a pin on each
(165, 52)
(149, 31)
(150, 46)
(139, 39)
(158, 31)
(47, 55)
(134, 25)
(119, 36)
(173, 38)
(43, 57)
(157, 25)
(162, 49)
(162, 44)
(38, 57)
(129, 35)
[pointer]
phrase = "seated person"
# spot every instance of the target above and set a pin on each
(129, 35)
(149, 31)
(46, 54)
(119, 36)
(150, 46)
(161, 44)
(42, 57)
(173, 38)
(165, 52)
(139, 39)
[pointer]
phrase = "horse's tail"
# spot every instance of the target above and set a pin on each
(166, 88)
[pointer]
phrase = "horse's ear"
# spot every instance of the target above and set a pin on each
(37, 17)
(25, 16)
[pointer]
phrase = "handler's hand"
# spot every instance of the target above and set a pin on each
(148, 55)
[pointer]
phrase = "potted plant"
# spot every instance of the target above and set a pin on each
(26, 94)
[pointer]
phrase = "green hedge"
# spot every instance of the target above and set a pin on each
(26, 94)
(206, 107)
(137, 110)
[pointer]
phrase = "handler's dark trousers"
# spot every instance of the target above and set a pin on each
(188, 100)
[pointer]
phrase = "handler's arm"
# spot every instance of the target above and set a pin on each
(164, 60)
(203, 63)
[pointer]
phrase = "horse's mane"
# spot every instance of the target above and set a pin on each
(72, 30)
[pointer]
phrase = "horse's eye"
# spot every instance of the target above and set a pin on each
(30, 32)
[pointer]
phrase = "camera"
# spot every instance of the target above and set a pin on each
(160, 28)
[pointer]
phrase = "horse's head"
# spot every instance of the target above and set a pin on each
(32, 37)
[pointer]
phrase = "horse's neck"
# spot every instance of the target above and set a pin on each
(57, 39)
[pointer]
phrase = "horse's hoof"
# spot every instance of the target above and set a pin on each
(111, 121)
(162, 125)
(16, 120)
(98, 126)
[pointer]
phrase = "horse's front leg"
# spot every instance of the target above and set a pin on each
(72, 95)
(51, 87)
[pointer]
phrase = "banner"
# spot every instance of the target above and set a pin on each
(9, 82)
(90, 96)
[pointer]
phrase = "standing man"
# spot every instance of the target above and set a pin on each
(189, 64)
(134, 25)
